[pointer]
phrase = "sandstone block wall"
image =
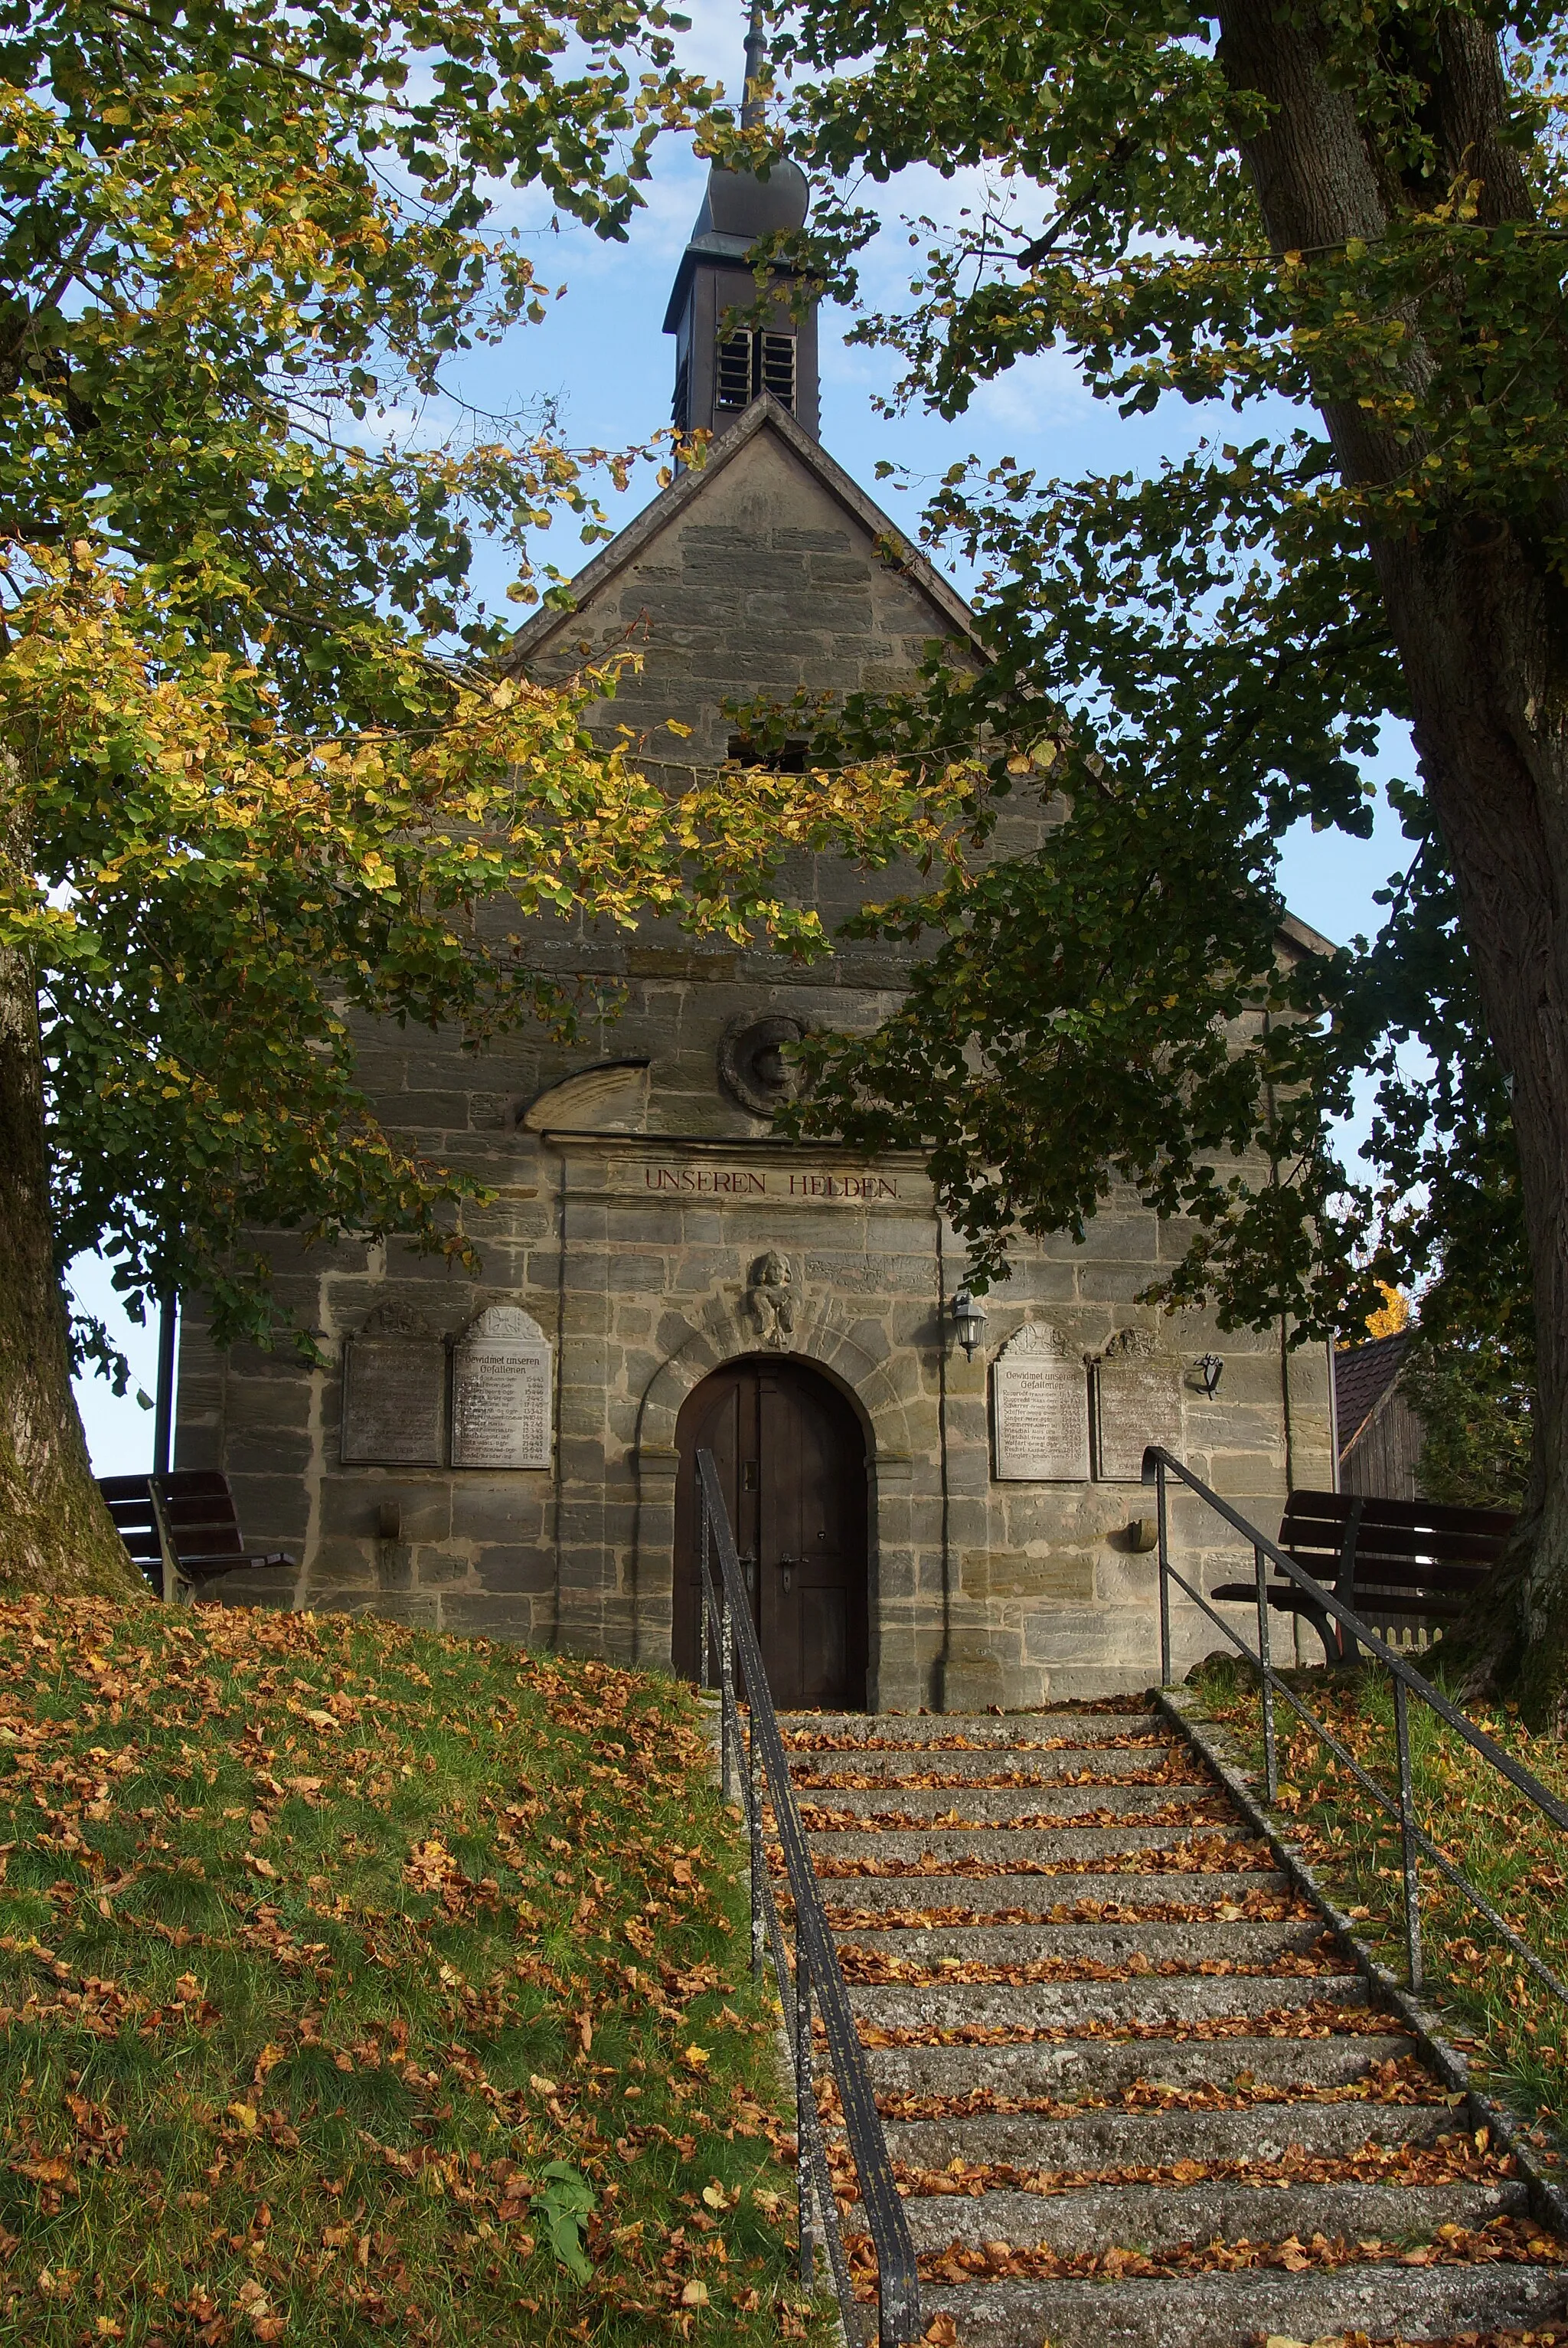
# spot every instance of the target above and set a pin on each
(609, 1227)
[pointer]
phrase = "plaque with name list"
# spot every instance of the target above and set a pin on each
(1039, 1408)
(1138, 1395)
(393, 1393)
(501, 1392)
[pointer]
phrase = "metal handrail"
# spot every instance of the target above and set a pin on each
(760, 1756)
(1158, 1465)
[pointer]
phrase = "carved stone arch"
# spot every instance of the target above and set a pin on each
(820, 1338)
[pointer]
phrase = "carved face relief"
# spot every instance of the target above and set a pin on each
(753, 1068)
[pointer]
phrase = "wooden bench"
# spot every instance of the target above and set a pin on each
(181, 1528)
(1393, 1562)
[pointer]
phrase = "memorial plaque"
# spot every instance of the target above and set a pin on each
(1039, 1408)
(394, 1392)
(1138, 1393)
(501, 1393)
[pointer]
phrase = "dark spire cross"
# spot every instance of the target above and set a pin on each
(757, 58)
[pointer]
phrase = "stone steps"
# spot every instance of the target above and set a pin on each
(1218, 2309)
(1040, 1894)
(960, 1768)
(1009, 1806)
(1204, 2089)
(1079, 2069)
(1164, 2217)
(1018, 1732)
(1074, 1849)
(1142, 2000)
(1090, 2139)
(1238, 1944)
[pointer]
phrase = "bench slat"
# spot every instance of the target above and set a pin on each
(1416, 1542)
(1409, 1561)
(198, 1518)
(1333, 1508)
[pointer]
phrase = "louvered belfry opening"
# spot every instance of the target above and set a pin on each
(720, 366)
(749, 362)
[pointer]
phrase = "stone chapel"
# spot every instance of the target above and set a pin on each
(923, 1525)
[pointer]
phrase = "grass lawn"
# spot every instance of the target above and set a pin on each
(357, 1982)
(1512, 2029)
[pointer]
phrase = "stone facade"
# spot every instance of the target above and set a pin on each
(639, 1185)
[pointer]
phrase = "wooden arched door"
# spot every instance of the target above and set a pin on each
(792, 1459)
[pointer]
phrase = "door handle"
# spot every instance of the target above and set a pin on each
(747, 1561)
(785, 1564)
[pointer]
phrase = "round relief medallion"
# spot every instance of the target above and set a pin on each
(752, 1064)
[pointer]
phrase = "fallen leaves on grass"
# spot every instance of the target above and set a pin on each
(317, 2017)
(1517, 2031)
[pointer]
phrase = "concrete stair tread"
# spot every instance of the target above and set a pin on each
(1101, 1763)
(1121, 2139)
(1040, 1893)
(1025, 1732)
(1067, 2068)
(1194, 1998)
(1220, 2309)
(990, 1806)
(1154, 2217)
(1265, 2074)
(1118, 1943)
(1012, 1846)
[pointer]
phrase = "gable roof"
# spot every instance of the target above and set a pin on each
(1363, 1376)
(765, 414)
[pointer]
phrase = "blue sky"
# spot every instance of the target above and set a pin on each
(601, 358)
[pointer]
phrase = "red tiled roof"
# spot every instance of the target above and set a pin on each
(1362, 1376)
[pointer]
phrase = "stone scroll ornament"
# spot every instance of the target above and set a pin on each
(501, 1392)
(1039, 1408)
(394, 1392)
(771, 1299)
(1138, 1401)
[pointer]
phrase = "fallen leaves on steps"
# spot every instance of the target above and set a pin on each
(1517, 2241)
(871, 1968)
(1317, 2019)
(820, 1820)
(1404, 2081)
(1451, 2161)
(1213, 1855)
(1253, 1907)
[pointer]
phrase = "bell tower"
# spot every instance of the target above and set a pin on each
(720, 367)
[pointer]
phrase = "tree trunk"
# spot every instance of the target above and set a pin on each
(55, 1534)
(1482, 623)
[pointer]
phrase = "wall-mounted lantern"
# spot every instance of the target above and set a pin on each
(968, 1322)
(1211, 1369)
